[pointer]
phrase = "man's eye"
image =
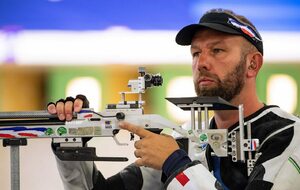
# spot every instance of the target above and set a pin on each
(217, 50)
(195, 54)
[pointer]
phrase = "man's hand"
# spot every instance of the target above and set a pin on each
(64, 108)
(153, 149)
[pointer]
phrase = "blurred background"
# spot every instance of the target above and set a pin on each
(51, 49)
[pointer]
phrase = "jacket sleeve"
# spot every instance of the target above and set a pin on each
(278, 165)
(79, 175)
(193, 176)
(83, 175)
(76, 175)
(288, 176)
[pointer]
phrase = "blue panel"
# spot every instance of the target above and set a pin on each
(140, 14)
(276, 15)
(93, 14)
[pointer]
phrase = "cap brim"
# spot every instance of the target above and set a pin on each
(186, 34)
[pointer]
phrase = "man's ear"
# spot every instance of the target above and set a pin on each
(254, 63)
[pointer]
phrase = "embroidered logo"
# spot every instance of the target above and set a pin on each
(244, 28)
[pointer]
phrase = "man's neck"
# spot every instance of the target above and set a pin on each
(225, 119)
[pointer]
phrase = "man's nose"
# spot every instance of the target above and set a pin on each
(204, 61)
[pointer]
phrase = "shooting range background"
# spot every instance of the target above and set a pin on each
(47, 48)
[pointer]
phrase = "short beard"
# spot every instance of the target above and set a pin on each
(229, 87)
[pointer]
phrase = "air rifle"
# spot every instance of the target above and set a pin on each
(68, 136)
(16, 127)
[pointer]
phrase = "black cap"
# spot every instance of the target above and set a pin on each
(221, 20)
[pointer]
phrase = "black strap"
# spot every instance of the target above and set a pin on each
(60, 100)
(69, 98)
(86, 103)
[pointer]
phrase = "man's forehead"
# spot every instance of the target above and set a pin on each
(215, 42)
(214, 37)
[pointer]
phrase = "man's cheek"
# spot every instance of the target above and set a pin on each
(195, 79)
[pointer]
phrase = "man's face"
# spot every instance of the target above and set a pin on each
(218, 64)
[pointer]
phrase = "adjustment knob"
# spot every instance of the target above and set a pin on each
(120, 116)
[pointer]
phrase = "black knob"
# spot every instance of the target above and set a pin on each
(120, 116)
(116, 131)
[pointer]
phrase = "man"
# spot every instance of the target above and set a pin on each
(227, 53)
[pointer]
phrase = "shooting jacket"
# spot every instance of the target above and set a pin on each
(277, 166)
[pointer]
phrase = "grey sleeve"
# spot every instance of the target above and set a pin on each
(83, 175)
(80, 175)
(152, 179)
(76, 175)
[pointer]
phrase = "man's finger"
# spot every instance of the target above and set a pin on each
(51, 108)
(78, 104)
(135, 129)
(139, 162)
(138, 153)
(60, 109)
(138, 144)
(69, 110)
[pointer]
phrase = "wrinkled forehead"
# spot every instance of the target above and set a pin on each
(213, 36)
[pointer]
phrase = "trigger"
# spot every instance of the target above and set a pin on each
(131, 136)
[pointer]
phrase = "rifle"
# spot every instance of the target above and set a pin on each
(68, 136)
(17, 127)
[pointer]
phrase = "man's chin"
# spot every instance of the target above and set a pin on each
(208, 92)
